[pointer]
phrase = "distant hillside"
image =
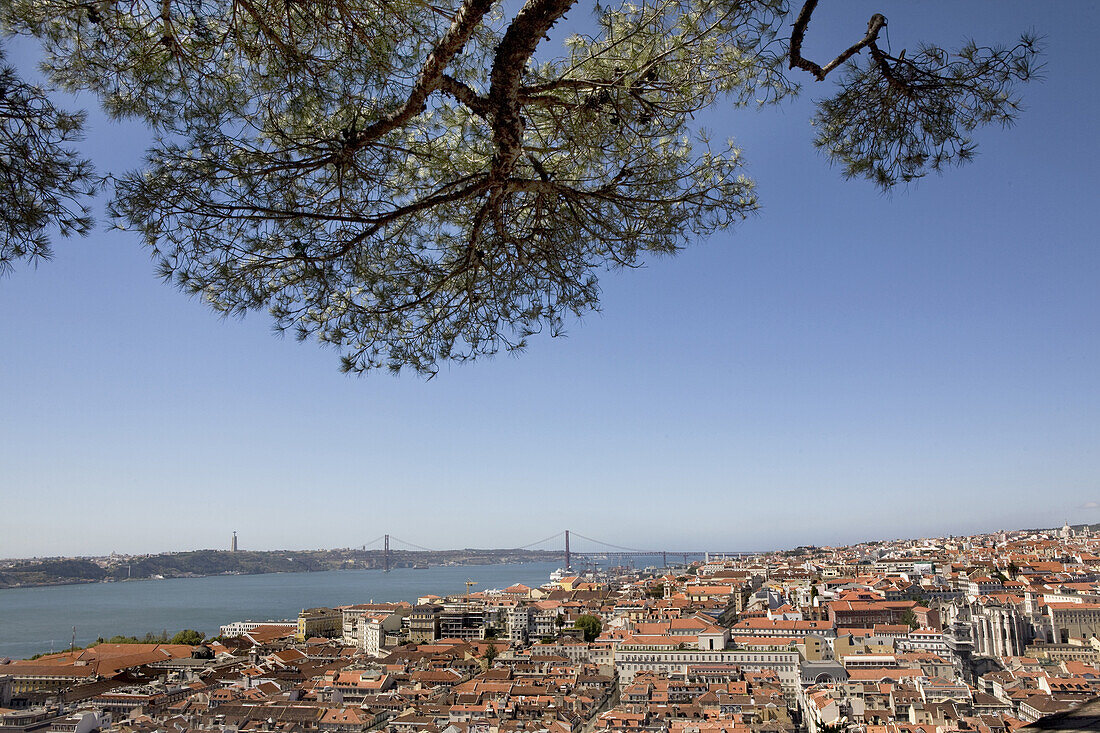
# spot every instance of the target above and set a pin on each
(21, 573)
(50, 572)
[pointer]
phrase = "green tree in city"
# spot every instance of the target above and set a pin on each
(590, 626)
(910, 619)
(425, 181)
(189, 637)
(490, 654)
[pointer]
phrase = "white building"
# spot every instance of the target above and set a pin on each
(631, 659)
(240, 628)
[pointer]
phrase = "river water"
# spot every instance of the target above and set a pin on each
(36, 620)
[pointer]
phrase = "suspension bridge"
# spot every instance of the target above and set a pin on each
(590, 549)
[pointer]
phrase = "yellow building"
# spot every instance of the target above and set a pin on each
(568, 582)
(326, 622)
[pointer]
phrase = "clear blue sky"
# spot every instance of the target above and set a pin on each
(844, 366)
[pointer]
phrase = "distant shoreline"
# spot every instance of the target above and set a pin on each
(206, 563)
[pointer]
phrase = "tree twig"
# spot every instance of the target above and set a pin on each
(798, 34)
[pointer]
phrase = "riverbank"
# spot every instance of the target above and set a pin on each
(207, 563)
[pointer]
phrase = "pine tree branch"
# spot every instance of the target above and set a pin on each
(514, 51)
(798, 34)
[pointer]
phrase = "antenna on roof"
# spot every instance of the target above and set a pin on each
(72, 644)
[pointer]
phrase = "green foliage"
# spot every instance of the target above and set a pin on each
(189, 637)
(656, 591)
(413, 184)
(44, 183)
(895, 119)
(910, 618)
(490, 655)
(590, 625)
(149, 638)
